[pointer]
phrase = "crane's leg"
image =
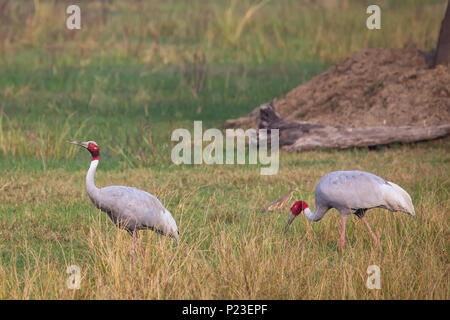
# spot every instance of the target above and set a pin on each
(138, 241)
(133, 252)
(142, 247)
(342, 240)
(371, 232)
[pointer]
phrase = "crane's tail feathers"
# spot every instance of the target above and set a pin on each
(400, 200)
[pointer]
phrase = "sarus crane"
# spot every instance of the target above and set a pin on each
(129, 208)
(353, 192)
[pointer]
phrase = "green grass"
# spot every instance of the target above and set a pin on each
(128, 83)
(118, 105)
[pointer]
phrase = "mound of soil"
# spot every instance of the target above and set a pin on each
(374, 87)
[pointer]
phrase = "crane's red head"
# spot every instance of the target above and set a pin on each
(298, 207)
(94, 150)
(92, 147)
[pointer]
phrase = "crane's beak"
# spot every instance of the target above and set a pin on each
(291, 218)
(79, 143)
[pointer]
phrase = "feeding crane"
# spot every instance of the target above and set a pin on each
(129, 208)
(353, 192)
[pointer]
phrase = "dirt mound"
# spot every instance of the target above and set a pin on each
(374, 87)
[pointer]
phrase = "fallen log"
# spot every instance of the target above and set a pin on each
(302, 136)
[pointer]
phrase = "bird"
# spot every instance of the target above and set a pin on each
(129, 208)
(280, 202)
(353, 192)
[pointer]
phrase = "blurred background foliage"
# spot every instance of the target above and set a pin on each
(138, 69)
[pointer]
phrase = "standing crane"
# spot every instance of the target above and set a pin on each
(129, 208)
(353, 192)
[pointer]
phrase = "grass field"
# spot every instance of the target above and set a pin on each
(138, 70)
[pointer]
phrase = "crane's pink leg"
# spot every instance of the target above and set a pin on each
(342, 240)
(133, 250)
(141, 246)
(371, 232)
(136, 239)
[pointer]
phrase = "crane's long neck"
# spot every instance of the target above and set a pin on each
(91, 188)
(318, 213)
(309, 214)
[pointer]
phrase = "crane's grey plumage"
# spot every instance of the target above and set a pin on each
(129, 208)
(354, 192)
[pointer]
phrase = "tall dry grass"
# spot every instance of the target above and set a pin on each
(228, 249)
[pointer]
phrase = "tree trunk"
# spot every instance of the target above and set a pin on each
(302, 136)
(442, 55)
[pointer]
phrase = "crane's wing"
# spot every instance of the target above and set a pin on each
(136, 209)
(358, 189)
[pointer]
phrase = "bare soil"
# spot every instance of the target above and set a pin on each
(374, 87)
